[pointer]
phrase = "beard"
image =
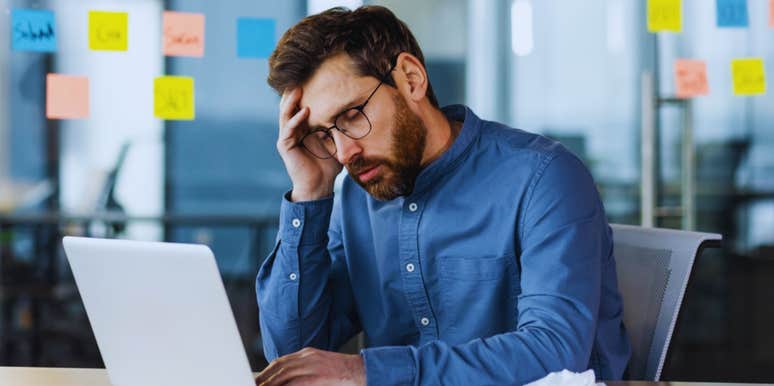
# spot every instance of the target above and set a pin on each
(398, 172)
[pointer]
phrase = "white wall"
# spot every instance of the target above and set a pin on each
(121, 93)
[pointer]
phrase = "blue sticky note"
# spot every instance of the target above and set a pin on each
(33, 30)
(732, 13)
(255, 37)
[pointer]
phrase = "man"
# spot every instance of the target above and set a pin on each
(467, 252)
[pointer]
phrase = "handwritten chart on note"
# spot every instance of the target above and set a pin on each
(749, 76)
(665, 15)
(67, 97)
(174, 98)
(33, 30)
(183, 34)
(691, 78)
(732, 13)
(108, 31)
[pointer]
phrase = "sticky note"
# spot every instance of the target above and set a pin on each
(173, 98)
(665, 15)
(749, 76)
(67, 97)
(732, 13)
(33, 30)
(771, 13)
(108, 31)
(255, 37)
(691, 78)
(183, 34)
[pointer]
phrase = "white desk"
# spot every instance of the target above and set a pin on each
(44, 376)
(39, 376)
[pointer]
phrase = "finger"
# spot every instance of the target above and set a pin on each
(290, 134)
(268, 371)
(289, 372)
(285, 96)
(289, 104)
(275, 366)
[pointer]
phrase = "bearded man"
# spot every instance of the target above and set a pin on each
(466, 251)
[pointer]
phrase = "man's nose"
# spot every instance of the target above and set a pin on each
(346, 147)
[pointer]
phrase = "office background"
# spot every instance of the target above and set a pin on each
(588, 74)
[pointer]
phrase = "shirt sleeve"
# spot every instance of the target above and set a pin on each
(303, 291)
(565, 239)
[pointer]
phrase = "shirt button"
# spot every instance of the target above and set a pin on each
(413, 207)
(410, 267)
(293, 276)
(424, 321)
(296, 223)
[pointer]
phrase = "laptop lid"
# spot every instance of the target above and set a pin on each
(159, 312)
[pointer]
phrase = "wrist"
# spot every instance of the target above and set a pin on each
(301, 195)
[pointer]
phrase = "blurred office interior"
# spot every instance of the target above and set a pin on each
(587, 73)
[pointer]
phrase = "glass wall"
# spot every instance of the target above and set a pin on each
(569, 70)
(734, 166)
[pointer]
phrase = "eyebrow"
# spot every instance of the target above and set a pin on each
(350, 104)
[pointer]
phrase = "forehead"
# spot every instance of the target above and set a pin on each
(331, 88)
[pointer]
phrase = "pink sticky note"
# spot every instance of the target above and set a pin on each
(771, 13)
(691, 78)
(67, 97)
(183, 34)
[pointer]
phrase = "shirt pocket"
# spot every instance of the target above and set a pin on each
(477, 295)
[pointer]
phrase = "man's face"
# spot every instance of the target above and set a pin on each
(387, 161)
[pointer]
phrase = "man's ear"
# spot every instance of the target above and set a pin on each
(410, 77)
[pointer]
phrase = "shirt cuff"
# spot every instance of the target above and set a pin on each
(392, 365)
(304, 223)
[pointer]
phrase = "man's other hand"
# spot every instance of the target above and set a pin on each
(314, 367)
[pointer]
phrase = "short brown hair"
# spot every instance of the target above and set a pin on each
(372, 36)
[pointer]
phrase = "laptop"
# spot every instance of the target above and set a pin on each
(159, 312)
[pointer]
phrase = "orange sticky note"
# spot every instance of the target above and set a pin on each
(183, 34)
(691, 78)
(67, 97)
(771, 13)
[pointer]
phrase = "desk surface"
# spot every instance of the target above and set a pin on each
(39, 376)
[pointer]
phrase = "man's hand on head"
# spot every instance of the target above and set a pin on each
(313, 367)
(312, 177)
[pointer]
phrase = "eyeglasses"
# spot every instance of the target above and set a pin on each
(351, 122)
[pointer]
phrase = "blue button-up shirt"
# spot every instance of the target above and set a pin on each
(497, 269)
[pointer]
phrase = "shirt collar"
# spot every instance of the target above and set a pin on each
(471, 128)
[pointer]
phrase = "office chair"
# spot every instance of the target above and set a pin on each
(653, 267)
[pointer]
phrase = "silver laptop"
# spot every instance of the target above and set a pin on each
(159, 312)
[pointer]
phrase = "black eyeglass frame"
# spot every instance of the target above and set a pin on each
(360, 109)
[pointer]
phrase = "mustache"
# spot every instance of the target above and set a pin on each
(360, 164)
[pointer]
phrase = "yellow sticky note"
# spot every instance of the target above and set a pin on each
(665, 15)
(108, 31)
(67, 97)
(749, 76)
(174, 97)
